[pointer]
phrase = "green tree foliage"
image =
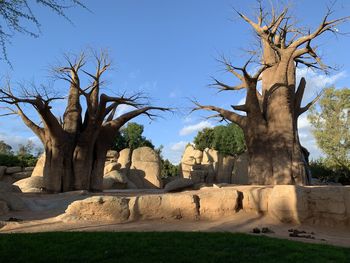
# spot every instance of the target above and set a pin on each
(169, 169)
(5, 148)
(228, 139)
(131, 137)
(330, 119)
(16, 16)
(331, 123)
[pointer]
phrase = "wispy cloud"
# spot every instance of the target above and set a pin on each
(195, 127)
(173, 151)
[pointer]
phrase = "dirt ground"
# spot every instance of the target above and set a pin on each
(44, 210)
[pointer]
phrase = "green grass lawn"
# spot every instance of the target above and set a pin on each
(161, 247)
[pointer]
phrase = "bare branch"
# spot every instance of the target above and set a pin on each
(229, 115)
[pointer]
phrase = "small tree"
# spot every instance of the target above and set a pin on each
(331, 122)
(5, 148)
(228, 139)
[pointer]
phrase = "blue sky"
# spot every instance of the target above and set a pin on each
(167, 49)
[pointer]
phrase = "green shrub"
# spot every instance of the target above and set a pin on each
(321, 170)
(17, 160)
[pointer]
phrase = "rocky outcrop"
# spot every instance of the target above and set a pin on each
(33, 184)
(166, 206)
(99, 208)
(39, 167)
(178, 185)
(145, 168)
(13, 174)
(216, 203)
(208, 166)
(124, 158)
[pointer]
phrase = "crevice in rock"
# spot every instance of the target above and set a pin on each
(240, 198)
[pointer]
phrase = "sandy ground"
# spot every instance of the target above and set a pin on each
(45, 208)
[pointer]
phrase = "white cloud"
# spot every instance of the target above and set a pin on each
(173, 152)
(15, 140)
(195, 127)
(306, 137)
(316, 82)
(123, 108)
(172, 94)
(179, 146)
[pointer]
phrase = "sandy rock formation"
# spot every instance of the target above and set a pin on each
(99, 208)
(112, 166)
(166, 206)
(216, 203)
(115, 180)
(145, 168)
(39, 167)
(14, 169)
(124, 158)
(208, 166)
(178, 184)
(33, 184)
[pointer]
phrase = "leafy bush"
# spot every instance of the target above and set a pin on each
(228, 139)
(322, 170)
(169, 169)
(17, 160)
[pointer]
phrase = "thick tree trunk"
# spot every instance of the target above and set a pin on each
(58, 168)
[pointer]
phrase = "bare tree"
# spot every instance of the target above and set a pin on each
(76, 143)
(18, 17)
(270, 123)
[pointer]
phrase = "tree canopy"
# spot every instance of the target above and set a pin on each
(228, 139)
(131, 137)
(331, 122)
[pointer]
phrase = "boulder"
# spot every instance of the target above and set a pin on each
(14, 202)
(99, 208)
(39, 167)
(289, 204)
(124, 158)
(5, 187)
(20, 175)
(2, 171)
(113, 166)
(240, 170)
(178, 184)
(215, 203)
(29, 169)
(114, 180)
(12, 170)
(255, 198)
(31, 184)
(112, 155)
(190, 158)
(3, 208)
(145, 165)
(166, 206)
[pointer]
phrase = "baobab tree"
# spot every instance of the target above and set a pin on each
(76, 143)
(270, 120)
